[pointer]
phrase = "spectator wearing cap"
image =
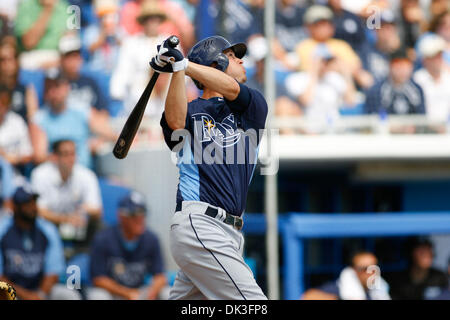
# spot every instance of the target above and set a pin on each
(434, 79)
(103, 40)
(84, 91)
(15, 145)
(69, 197)
(31, 254)
(175, 21)
(376, 56)
(359, 281)
(420, 281)
(398, 94)
(60, 118)
(132, 72)
(321, 90)
(122, 257)
(319, 21)
(38, 26)
(7, 186)
(440, 25)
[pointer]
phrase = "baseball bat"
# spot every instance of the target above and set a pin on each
(131, 126)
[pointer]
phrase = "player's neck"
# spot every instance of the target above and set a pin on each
(208, 94)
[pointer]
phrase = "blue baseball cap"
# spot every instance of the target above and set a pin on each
(24, 194)
(132, 204)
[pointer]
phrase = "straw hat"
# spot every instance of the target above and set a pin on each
(150, 8)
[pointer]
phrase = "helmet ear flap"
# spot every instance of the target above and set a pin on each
(222, 62)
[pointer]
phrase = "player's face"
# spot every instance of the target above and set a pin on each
(27, 211)
(235, 67)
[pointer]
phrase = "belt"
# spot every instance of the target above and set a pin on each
(215, 212)
(230, 219)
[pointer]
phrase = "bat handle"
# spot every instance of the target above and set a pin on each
(173, 41)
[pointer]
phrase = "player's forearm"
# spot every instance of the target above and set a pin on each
(215, 80)
(48, 282)
(176, 102)
(111, 286)
(159, 281)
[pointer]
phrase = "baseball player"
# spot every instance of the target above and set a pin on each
(205, 237)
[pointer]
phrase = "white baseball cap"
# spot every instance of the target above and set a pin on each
(431, 45)
(69, 43)
(317, 13)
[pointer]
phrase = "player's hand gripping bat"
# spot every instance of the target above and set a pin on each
(131, 126)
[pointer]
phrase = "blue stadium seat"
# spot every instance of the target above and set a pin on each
(111, 194)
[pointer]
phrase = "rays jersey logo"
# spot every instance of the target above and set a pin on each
(222, 133)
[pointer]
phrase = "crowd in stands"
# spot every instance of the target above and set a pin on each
(68, 67)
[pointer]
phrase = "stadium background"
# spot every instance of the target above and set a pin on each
(352, 167)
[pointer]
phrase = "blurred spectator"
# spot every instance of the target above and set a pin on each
(24, 98)
(319, 21)
(7, 186)
(31, 255)
(411, 24)
(15, 145)
(69, 196)
(241, 19)
(103, 40)
(176, 22)
(420, 281)
(348, 27)
(438, 7)
(8, 9)
(38, 26)
(189, 7)
(376, 57)
(85, 94)
(284, 105)
(440, 25)
(398, 94)
(123, 256)
(434, 79)
(365, 8)
(289, 31)
(321, 90)
(58, 120)
(132, 72)
(360, 281)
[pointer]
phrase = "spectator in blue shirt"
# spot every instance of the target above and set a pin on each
(123, 256)
(31, 255)
(398, 94)
(59, 119)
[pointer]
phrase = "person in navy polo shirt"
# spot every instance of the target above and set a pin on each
(31, 254)
(123, 256)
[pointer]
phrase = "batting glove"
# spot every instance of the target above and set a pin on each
(168, 60)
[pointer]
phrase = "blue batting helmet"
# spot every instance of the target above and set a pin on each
(210, 50)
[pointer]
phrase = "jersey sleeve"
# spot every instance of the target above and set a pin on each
(167, 131)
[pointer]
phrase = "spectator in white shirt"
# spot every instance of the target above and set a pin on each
(434, 78)
(15, 145)
(132, 72)
(322, 90)
(69, 196)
